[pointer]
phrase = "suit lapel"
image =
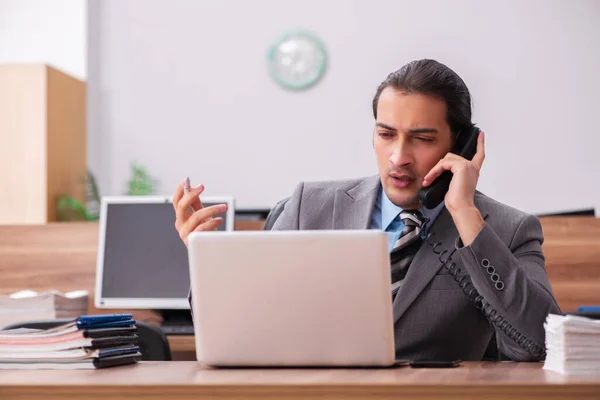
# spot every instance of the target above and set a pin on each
(427, 263)
(352, 209)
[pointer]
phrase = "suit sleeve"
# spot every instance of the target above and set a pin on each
(289, 219)
(513, 280)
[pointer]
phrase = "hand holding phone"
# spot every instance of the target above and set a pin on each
(452, 172)
(466, 147)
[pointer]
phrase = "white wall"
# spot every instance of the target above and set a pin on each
(168, 88)
(182, 87)
(45, 31)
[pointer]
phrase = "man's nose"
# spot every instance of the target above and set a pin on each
(401, 155)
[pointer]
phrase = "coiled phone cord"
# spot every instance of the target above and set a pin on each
(490, 313)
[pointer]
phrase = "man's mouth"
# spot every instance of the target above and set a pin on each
(402, 181)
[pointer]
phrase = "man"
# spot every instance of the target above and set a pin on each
(466, 274)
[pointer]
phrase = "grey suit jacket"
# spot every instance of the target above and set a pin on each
(433, 317)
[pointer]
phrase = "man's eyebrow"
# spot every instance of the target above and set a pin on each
(423, 130)
(415, 131)
(384, 126)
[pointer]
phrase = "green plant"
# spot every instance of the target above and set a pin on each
(141, 183)
(70, 209)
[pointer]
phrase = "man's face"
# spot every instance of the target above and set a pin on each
(411, 136)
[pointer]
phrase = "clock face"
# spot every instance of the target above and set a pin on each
(297, 60)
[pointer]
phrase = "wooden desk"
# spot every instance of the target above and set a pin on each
(188, 380)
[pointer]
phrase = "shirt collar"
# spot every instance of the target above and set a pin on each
(389, 211)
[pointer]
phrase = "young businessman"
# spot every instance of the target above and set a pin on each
(493, 290)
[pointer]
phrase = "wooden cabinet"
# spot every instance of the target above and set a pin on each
(42, 142)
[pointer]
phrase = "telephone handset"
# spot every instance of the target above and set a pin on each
(465, 146)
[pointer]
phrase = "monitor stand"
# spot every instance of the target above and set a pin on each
(177, 322)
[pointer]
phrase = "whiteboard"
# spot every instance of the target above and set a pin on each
(182, 88)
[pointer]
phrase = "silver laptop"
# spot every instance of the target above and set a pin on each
(292, 298)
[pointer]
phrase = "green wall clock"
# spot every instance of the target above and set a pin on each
(297, 60)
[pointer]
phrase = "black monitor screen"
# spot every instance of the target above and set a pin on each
(143, 254)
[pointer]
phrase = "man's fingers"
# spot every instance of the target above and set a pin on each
(202, 215)
(445, 164)
(209, 225)
(198, 219)
(451, 160)
(452, 156)
(208, 212)
(177, 195)
(183, 207)
(480, 155)
(197, 204)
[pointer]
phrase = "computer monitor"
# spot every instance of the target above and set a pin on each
(142, 262)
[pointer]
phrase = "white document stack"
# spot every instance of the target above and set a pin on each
(572, 345)
(27, 305)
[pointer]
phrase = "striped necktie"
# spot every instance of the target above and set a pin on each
(406, 247)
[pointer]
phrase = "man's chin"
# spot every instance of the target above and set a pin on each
(405, 199)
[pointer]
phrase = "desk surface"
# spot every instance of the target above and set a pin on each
(187, 380)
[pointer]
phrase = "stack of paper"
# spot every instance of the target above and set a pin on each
(572, 345)
(88, 342)
(27, 305)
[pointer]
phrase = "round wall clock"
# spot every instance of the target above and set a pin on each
(297, 60)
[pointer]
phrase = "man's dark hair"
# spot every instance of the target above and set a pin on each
(433, 78)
